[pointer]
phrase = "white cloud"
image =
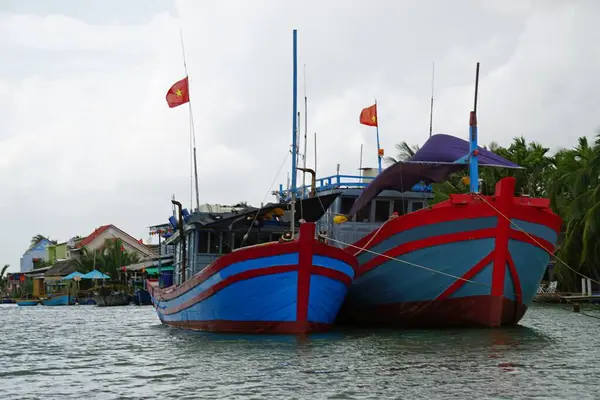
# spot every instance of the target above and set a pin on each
(87, 138)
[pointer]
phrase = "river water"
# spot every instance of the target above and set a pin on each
(87, 352)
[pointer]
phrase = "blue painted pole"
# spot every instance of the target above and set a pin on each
(473, 152)
(295, 112)
(378, 146)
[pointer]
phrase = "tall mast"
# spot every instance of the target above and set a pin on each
(305, 134)
(473, 152)
(431, 108)
(192, 131)
(294, 127)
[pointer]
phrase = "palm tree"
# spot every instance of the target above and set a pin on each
(113, 256)
(35, 240)
(575, 195)
(405, 151)
(2, 280)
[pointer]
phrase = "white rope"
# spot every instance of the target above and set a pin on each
(413, 264)
(535, 240)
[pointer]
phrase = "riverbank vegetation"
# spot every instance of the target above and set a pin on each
(570, 177)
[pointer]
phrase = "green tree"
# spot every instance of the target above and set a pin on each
(405, 151)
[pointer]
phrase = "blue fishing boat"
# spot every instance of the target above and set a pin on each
(472, 260)
(247, 271)
(58, 300)
(27, 303)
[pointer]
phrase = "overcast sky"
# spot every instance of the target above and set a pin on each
(86, 137)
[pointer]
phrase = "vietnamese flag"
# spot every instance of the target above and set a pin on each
(368, 116)
(179, 93)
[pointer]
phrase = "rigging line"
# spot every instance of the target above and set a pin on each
(414, 264)
(535, 240)
(265, 198)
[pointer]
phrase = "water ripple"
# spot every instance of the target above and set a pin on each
(125, 353)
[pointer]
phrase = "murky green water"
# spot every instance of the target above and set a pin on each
(86, 352)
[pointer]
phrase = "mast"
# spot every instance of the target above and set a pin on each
(192, 130)
(294, 126)
(431, 108)
(305, 135)
(473, 152)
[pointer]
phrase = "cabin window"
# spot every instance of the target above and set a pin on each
(202, 241)
(227, 245)
(346, 204)
(417, 205)
(382, 210)
(401, 206)
(214, 243)
(364, 214)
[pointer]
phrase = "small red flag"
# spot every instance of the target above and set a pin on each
(179, 93)
(368, 116)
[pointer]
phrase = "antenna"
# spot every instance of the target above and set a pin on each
(431, 108)
(315, 155)
(360, 160)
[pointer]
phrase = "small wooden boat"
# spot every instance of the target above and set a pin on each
(27, 303)
(105, 297)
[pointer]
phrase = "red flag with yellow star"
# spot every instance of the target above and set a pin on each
(368, 116)
(179, 93)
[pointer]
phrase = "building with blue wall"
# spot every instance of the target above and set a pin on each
(33, 254)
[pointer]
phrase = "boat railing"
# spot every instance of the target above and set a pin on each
(339, 182)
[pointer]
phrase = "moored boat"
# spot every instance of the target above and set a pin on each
(58, 300)
(248, 272)
(294, 286)
(27, 303)
(472, 260)
(106, 297)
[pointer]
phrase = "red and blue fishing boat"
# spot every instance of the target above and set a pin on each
(247, 271)
(472, 260)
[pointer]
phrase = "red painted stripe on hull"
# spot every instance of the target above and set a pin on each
(470, 274)
(226, 282)
(251, 326)
(424, 243)
(474, 311)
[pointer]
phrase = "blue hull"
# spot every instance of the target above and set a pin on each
(27, 303)
(454, 266)
(277, 288)
(61, 300)
(141, 297)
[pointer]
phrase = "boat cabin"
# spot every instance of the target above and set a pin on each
(370, 217)
(209, 235)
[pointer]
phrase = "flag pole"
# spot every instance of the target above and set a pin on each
(305, 136)
(192, 130)
(377, 127)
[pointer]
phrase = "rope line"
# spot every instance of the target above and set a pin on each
(534, 239)
(414, 264)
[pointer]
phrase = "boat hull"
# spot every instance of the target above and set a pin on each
(61, 300)
(469, 261)
(294, 287)
(141, 297)
(27, 303)
(112, 300)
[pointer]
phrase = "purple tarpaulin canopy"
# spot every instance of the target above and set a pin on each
(439, 157)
